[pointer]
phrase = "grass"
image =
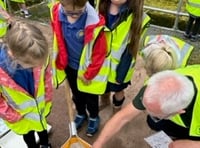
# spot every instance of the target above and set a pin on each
(163, 19)
(165, 4)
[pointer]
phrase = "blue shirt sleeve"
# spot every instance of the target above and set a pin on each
(23, 77)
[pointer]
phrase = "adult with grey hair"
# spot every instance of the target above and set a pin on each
(171, 99)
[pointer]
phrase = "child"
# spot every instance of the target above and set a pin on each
(164, 52)
(158, 57)
(125, 22)
(193, 8)
(25, 83)
(80, 50)
(23, 9)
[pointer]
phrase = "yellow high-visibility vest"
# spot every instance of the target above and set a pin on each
(33, 109)
(118, 43)
(99, 82)
(180, 47)
(194, 129)
(193, 7)
(3, 23)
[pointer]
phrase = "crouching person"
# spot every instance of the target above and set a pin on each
(171, 99)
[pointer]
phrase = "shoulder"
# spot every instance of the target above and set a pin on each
(137, 101)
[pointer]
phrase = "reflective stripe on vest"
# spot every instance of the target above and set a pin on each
(193, 7)
(23, 105)
(193, 4)
(194, 129)
(118, 43)
(3, 24)
(181, 48)
(100, 80)
(33, 110)
(145, 25)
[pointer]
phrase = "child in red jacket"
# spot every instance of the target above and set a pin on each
(81, 54)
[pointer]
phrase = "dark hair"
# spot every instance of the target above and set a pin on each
(136, 7)
(74, 3)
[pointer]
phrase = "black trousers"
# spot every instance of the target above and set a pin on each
(83, 101)
(170, 129)
(193, 29)
(30, 140)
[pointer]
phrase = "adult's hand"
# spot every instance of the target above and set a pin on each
(184, 144)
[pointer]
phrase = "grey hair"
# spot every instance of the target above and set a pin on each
(173, 91)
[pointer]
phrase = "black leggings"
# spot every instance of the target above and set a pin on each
(30, 140)
(193, 28)
(84, 101)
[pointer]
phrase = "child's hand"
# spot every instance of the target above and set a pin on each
(84, 80)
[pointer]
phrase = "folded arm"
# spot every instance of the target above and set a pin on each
(98, 57)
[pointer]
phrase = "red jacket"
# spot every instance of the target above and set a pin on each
(99, 49)
(7, 112)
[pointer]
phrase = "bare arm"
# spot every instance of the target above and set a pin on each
(115, 124)
(185, 144)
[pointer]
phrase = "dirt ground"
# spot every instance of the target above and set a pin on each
(131, 136)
